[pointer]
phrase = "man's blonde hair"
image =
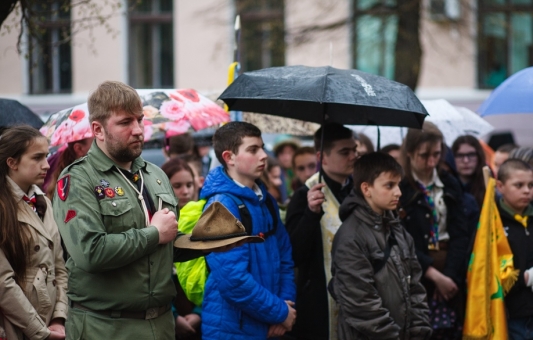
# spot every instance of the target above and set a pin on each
(110, 97)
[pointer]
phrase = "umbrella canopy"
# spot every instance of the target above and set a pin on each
(318, 94)
(166, 113)
(468, 123)
(514, 95)
(13, 112)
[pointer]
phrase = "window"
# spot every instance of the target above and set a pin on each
(505, 39)
(262, 42)
(151, 44)
(374, 36)
(50, 64)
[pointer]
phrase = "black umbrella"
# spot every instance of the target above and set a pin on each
(326, 94)
(13, 113)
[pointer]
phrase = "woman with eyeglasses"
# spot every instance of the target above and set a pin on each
(470, 160)
(430, 210)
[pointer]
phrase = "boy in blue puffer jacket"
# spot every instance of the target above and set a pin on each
(250, 290)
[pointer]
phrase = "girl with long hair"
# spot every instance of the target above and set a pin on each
(182, 179)
(186, 314)
(469, 161)
(431, 211)
(33, 278)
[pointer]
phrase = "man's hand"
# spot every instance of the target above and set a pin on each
(57, 329)
(183, 328)
(165, 222)
(315, 198)
(275, 331)
(194, 320)
(291, 317)
(446, 287)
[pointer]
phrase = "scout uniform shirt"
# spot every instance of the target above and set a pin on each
(115, 260)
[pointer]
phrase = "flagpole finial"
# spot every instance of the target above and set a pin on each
(237, 22)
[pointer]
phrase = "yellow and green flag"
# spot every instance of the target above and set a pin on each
(490, 276)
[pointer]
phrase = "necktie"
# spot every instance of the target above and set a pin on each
(31, 201)
(434, 233)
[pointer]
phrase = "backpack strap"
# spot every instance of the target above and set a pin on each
(246, 218)
(378, 265)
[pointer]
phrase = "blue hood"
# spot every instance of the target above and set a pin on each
(218, 182)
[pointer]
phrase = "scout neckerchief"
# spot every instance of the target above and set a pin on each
(31, 202)
(434, 233)
(520, 218)
(329, 224)
(140, 197)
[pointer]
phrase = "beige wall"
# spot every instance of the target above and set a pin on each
(10, 61)
(99, 54)
(203, 50)
(323, 48)
(449, 51)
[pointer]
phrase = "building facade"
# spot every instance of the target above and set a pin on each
(468, 47)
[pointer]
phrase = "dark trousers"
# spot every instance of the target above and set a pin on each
(520, 329)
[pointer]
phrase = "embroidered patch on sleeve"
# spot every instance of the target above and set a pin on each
(63, 186)
(70, 215)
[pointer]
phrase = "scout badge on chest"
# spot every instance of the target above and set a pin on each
(63, 186)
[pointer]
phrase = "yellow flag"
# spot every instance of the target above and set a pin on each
(232, 74)
(490, 276)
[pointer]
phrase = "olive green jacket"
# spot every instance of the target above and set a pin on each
(115, 261)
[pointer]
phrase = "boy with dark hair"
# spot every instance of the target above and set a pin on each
(304, 166)
(312, 221)
(250, 290)
(515, 183)
(376, 275)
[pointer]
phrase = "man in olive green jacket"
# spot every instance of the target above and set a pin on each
(117, 216)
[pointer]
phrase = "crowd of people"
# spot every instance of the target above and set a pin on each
(355, 243)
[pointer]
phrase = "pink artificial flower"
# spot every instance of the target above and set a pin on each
(172, 110)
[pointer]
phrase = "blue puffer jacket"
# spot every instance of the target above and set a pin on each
(247, 287)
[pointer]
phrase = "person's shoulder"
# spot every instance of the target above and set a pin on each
(75, 168)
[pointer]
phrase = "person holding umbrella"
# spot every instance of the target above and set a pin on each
(312, 220)
(431, 209)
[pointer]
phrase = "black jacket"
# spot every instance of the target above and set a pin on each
(416, 217)
(385, 303)
(304, 230)
(519, 300)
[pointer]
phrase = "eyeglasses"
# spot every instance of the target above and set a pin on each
(310, 166)
(466, 156)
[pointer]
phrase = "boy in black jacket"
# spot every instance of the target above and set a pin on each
(515, 183)
(376, 275)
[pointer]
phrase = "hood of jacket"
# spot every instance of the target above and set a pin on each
(365, 213)
(219, 182)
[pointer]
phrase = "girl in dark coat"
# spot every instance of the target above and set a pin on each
(431, 211)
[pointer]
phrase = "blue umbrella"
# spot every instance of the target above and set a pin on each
(514, 95)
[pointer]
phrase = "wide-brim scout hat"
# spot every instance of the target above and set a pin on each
(216, 227)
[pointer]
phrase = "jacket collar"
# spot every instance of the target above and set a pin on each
(102, 163)
(365, 212)
(527, 212)
(18, 193)
(26, 214)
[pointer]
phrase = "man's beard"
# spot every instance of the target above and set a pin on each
(121, 153)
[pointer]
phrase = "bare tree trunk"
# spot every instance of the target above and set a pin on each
(408, 52)
(6, 7)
